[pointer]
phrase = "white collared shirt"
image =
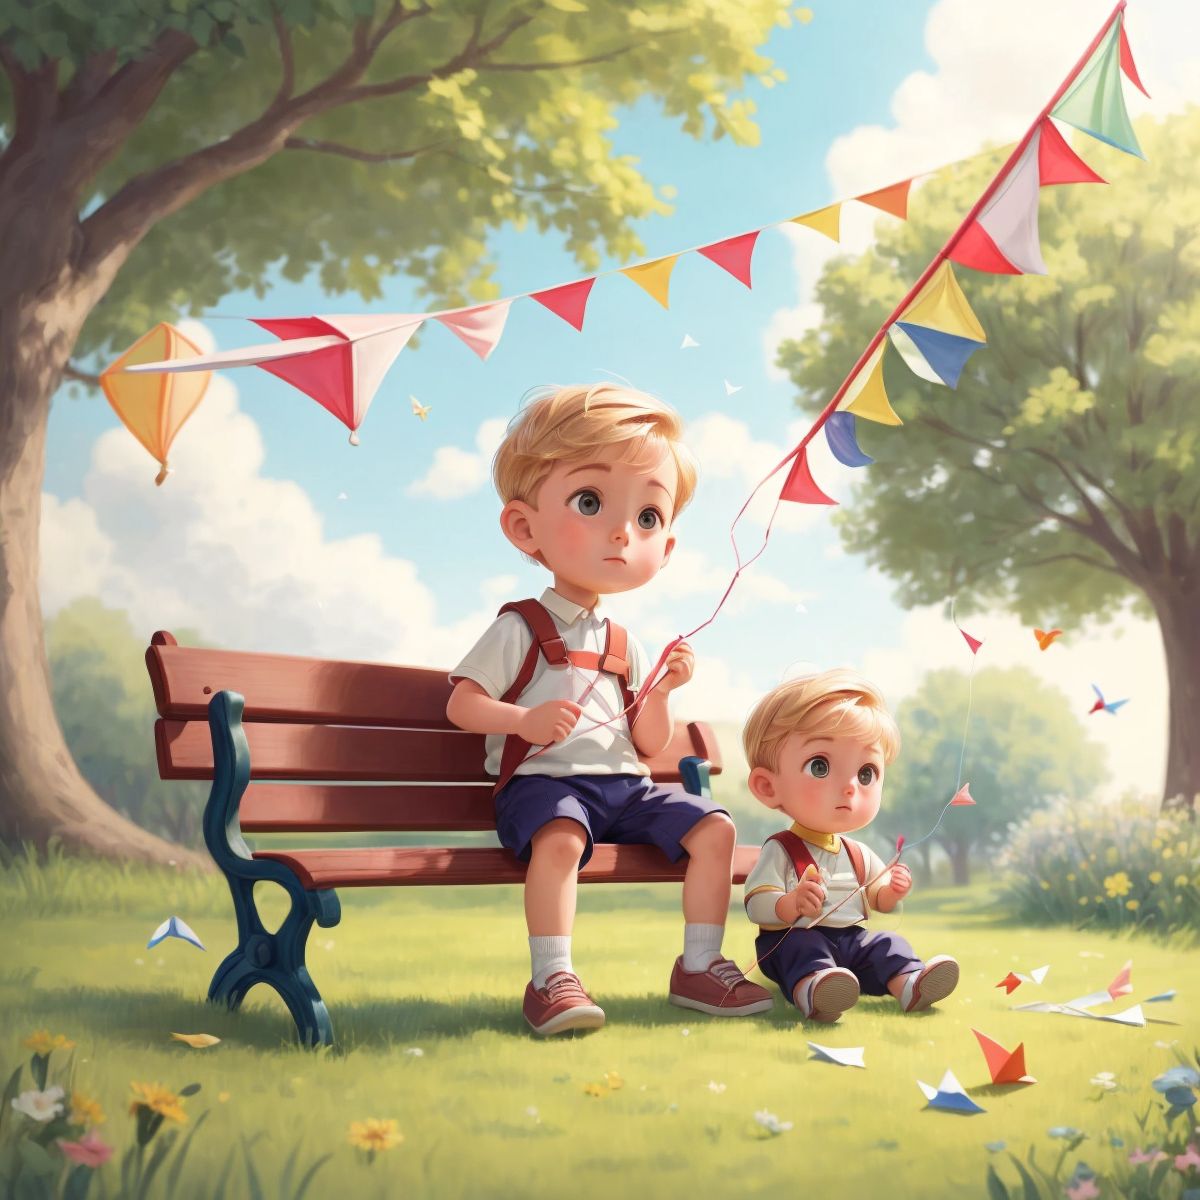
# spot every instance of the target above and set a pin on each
(591, 748)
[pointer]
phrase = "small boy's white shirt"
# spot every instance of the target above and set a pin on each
(591, 748)
(774, 875)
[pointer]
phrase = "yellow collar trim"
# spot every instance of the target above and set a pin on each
(829, 842)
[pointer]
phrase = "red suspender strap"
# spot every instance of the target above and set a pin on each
(801, 856)
(857, 863)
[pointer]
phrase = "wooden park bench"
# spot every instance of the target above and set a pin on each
(289, 743)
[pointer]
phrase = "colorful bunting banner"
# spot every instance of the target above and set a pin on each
(480, 328)
(1095, 102)
(1057, 162)
(733, 255)
(843, 440)
(801, 487)
(892, 199)
(568, 301)
(654, 278)
(938, 332)
(1131, 72)
(865, 396)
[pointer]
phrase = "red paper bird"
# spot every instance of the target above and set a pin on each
(1006, 1066)
(1009, 983)
(1101, 706)
(974, 643)
(1046, 636)
(962, 797)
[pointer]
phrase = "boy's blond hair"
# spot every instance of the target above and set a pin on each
(568, 424)
(837, 703)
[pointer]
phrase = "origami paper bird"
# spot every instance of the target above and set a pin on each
(1162, 997)
(419, 409)
(974, 643)
(688, 343)
(175, 927)
(1046, 636)
(849, 1056)
(1110, 707)
(731, 389)
(949, 1095)
(1014, 979)
(962, 798)
(1005, 1066)
(1121, 985)
(1009, 983)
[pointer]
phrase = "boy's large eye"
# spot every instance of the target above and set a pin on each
(585, 502)
(817, 767)
(867, 774)
(649, 518)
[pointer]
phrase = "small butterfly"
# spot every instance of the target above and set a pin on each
(1046, 636)
(1108, 707)
(419, 409)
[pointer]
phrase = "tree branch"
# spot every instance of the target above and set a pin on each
(369, 156)
(287, 59)
(1083, 558)
(565, 64)
(72, 372)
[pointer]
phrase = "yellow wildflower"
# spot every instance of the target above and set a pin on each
(1156, 844)
(85, 1110)
(1156, 877)
(1071, 877)
(1180, 880)
(1168, 852)
(157, 1099)
(613, 1080)
(1132, 905)
(1083, 900)
(375, 1134)
(1045, 886)
(41, 1041)
(1118, 884)
(222, 1097)
(593, 1089)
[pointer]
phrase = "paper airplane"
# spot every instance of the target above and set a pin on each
(1162, 997)
(1006, 1066)
(175, 927)
(949, 1095)
(849, 1056)
(1121, 985)
(1129, 1016)
(732, 388)
(688, 342)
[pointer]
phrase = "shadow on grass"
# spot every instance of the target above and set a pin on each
(145, 1019)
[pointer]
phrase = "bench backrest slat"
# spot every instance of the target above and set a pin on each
(330, 808)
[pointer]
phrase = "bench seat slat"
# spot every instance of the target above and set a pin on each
(357, 754)
(328, 808)
(431, 865)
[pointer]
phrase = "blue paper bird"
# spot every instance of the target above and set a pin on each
(949, 1095)
(175, 927)
(1110, 707)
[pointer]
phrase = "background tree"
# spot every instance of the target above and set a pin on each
(155, 154)
(1061, 479)
(1024, 748)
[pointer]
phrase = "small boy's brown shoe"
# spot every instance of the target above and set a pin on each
(826, 994)
(933, 982)
(560, 1006)
(721, 991)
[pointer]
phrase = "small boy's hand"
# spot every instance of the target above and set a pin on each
(806, 899)
(901, 882)
(548, 722)
(680, 666)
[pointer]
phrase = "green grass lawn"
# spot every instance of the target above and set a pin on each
(487, 1110)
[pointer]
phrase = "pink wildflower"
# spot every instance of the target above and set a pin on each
(91, 1150)
(1190, 1159)
(1085, 1189)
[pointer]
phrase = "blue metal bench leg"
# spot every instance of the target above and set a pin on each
(277, 959)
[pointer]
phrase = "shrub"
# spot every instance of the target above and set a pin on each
(1123, 866)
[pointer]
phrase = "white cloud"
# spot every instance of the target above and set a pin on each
(248, 564)
(455, 473)
(1125, 659)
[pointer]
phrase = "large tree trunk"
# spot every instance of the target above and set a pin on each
(42, 793)
(1179, 619)
(960, 862)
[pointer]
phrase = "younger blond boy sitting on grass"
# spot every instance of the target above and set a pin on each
(817, 747)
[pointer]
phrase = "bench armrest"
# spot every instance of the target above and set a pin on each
(695, 775)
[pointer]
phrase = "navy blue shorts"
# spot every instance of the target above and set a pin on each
(611, 808)
(788, 955)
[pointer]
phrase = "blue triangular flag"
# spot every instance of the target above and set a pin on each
(946, 353)
(843, 441)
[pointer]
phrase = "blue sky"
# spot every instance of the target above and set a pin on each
(872, 96)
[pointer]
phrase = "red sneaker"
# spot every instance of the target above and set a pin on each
(722, 990)
(933, 982)
(560, 1006)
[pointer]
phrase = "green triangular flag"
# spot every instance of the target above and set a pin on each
(1095, 102)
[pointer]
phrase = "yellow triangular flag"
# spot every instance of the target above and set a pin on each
(825, 220)
(942, 305)
(866, 397)
(654, 278)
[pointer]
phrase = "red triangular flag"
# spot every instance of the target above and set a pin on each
(1127, 64)
(1122, 984)
(801, 487)
(892, 199)
(1009, 983)
(962, 797)
(568, 301)
(1057, 162)
(1004, 1066)
(734, 255)
(974, 643)
(975, 249)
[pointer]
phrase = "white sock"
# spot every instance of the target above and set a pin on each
(701, 946)
(547, 955)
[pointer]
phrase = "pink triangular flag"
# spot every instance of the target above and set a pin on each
(1127, 64)
(734, 256)
(481, 327)
(568, 301)
(325, 375)
(801, 487)
(974, 643)
(962, 797)
(975, 249)
(1122, 985)
(1057, 162)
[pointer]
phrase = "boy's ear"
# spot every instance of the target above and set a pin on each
(517, 526)
(762, 785)
(670, 545)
